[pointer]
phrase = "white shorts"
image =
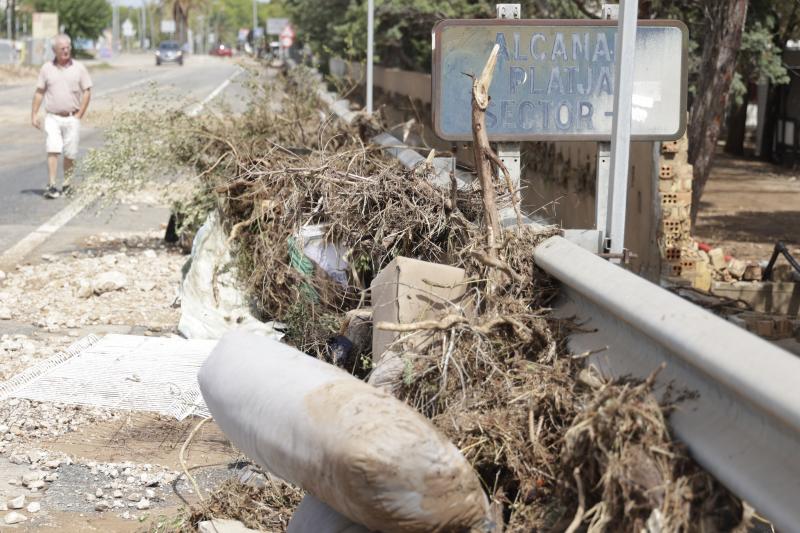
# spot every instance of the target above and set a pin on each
(63, 135)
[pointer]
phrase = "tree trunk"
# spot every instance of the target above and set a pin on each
(737, 119)
(770, 123)
(723, 37)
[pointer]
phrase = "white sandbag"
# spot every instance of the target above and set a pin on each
(211, 301)
(361, 451)
(314, 516)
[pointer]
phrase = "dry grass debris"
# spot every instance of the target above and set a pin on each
(557, 446)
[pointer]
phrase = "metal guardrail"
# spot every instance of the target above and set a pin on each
(744, 424)
(744, 427)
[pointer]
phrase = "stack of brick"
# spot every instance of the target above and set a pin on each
(684, 262)
(680, 256)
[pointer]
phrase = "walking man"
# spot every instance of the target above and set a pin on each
(65, 86)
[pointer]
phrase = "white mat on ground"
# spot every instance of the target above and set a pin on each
(126, 372)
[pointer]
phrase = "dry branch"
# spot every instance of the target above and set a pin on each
(481, 148)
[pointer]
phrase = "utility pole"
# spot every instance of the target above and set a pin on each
(255, 21)
(12, 19)
(115, 28)
(142, 26)
(8, 21)
(370, 45)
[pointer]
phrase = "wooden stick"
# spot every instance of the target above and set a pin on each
(480, 146)
(496, 263)
(444, 324)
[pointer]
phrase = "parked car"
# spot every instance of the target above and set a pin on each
(169, 51)
(222, 51)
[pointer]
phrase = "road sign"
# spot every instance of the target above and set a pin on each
(275, 25)
(167, 26)
(45, 25)
(555, 79)
(287, 32)
(127, 28)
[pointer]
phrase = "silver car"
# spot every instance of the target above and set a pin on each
(169, 51)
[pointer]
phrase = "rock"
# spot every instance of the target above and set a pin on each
(98, 493)
(5, 313)
(150, 494)
(118, 494)
(134, 497)
(30, 477)
(90, 497)
(3, 506)
(17, 503)
(54, 463)
(752, 273)
(84, 289)
(223, 526)
(102, 506)
(134, 208)
(145, 285)
(143, 504)
(109, 282)
(717, 257)
(737, 268)
(36, 485)
(15, 518)
(34, 507)
(150, 254)
(50, 258)
(2, 275)
(51, 477)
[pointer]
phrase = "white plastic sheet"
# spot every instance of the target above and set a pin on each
(211, 301)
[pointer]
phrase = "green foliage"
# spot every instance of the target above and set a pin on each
(80, 18)
(759, 60)
(225, 17)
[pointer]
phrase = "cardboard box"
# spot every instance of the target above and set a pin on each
(408, 290)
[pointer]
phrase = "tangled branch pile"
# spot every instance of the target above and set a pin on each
(557, 446)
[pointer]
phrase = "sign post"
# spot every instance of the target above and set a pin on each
(510, 153)
(625, 51)
(370, 45)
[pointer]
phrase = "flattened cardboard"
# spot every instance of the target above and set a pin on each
(409, 290)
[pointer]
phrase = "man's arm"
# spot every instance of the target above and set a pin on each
(37, 102)
(87, 95)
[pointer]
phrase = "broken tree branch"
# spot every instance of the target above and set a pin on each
(481, 148)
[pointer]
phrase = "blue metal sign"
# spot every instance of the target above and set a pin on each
(555, 79)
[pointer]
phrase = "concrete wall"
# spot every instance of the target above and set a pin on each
(558, 179)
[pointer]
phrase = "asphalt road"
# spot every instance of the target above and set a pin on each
(23, 170)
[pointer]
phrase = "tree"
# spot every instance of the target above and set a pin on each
(759, 61)
(787, 26)
(724, 23)
(81, 19)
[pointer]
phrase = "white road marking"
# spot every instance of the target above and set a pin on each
(199, 107)
(15, 254)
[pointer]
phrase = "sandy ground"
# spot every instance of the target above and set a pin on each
(748, 205)
(87, 459)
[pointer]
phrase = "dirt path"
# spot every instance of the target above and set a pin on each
(748, 205)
